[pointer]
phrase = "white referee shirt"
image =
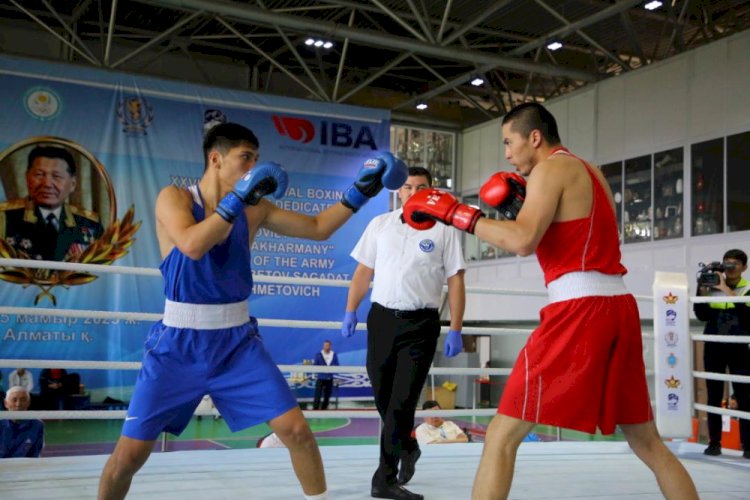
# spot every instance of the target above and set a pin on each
(410, 266)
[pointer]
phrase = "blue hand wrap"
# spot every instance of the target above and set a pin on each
(353, 198)
(230, 207)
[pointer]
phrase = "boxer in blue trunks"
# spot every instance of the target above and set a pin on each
(206, 343)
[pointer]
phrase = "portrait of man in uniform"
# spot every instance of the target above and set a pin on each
(59, 206)
(46, 224)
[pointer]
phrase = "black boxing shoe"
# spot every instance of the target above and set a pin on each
(408, 465)
(393, 491)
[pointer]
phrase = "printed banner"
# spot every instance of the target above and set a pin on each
(128, 137)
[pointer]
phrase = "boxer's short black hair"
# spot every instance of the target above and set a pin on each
(530, 116)
(226, 136)
(421, 172)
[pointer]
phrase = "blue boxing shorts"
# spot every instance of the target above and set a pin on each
(181, 365)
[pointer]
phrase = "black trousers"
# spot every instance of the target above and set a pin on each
(717, 357)
(323, 388)
(400, 349)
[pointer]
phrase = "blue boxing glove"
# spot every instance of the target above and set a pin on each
(385, 170)
(349, 324)
(264, 178)
(454, 344)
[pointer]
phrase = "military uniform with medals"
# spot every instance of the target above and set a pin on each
(23, 227)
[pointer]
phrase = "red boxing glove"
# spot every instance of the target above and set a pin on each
(504, 191)
(429, 205)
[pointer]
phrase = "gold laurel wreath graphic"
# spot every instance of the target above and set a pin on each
(111, 245)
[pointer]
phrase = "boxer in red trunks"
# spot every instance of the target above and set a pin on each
(582, 368)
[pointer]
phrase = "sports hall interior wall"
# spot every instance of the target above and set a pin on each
(693, 97)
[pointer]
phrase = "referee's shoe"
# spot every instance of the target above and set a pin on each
(408, 465)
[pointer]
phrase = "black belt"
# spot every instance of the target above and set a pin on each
(401, 314)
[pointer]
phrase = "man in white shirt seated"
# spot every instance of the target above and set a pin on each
(22, 377)
(435, 430)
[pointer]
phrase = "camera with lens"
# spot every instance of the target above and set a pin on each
(707, 273)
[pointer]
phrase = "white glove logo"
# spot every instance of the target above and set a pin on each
(433, 199)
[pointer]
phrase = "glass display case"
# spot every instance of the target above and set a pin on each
(488, 251)
(637, 214)
(474, 248)
(669, 171)
(738, 195)
(707, 190)
(433, 150)
(656, 196)
(613, 174)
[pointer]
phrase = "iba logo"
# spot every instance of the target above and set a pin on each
(340, 135)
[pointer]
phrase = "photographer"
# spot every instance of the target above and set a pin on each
(725, 318)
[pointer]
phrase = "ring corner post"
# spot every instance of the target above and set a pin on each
(673, 356)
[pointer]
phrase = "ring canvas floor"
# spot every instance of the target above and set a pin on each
(552, 470)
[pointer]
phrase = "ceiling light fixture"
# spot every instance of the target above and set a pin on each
(554, 46)
(315, 42)
(477, 81)
(655, 4)
(421, 105)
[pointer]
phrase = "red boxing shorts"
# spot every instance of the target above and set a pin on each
(582, 368)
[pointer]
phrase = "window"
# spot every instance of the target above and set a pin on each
(430, 149)
(613, 174)
(707, 174)
(488, 251)
(738, 195)
(474, 248)
(472, 251)
(637, 199)
(669, 169)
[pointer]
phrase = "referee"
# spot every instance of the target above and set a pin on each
(409, 268)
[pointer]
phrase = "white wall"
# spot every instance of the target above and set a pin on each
(698, 95)
(481, 155)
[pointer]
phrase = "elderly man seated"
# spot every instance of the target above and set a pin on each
(20, 438)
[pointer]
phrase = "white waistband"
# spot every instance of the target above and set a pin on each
(585, 284)
(205, 316)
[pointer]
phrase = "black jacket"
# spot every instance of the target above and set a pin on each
(730, 318)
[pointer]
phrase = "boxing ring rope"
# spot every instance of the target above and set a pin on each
(151, 317)
(134, 365)
(725, 339)
(335, 325)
